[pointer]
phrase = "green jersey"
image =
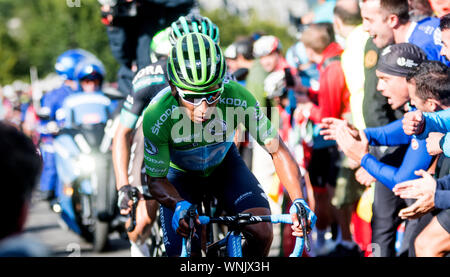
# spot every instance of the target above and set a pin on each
(173, 140)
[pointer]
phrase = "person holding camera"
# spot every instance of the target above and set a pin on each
(131, 25)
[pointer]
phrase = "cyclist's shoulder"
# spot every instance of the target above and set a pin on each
(232, 89)
(152, 75)
(160, 109)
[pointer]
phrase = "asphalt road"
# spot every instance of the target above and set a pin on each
(47, 227)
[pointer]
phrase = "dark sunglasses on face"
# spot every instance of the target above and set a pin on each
(197, 99)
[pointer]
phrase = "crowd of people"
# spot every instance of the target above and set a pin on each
(359, 103)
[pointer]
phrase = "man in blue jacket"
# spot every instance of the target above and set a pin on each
(395, 63)
(428, 87)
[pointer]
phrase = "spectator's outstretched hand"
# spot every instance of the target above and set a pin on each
(353, 147)
(329, 126)
(422, 189)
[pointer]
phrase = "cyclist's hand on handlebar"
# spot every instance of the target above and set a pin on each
(125, 201)
(310, 218)
(179, 222)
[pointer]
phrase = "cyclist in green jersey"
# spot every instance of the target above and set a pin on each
(188, 137)
(146, 84)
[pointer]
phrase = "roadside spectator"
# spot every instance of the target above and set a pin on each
(239, 57)
(445, 32)
(19, 156)
(429, 90)
(432, 195)
(332, 99)
(396, 167)
(130, 25)
(419, 9)
(440, 7)
(387, 21)
(268, 51)
(348, 24)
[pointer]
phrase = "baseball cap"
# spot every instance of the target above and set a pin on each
(400, 59)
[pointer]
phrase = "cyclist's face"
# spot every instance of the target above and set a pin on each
(376, 24)
(201, 112)
(394, 88)
(445, 51)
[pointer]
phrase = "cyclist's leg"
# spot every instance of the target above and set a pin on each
(241, 192)
(434, 240)
(188, 186)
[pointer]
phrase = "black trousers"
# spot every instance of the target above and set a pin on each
(385, 209)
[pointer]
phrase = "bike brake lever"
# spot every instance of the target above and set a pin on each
(133, 194)
(303, 219)
(189, 218)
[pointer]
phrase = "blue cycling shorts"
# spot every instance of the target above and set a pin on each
(232, 183)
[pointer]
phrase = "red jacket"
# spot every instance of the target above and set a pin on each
(332, 98)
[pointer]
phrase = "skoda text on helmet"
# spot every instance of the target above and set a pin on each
(266, 45)
(196, 63)
(66, 62)
(193, 23)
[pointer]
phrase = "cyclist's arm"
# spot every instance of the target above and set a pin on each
(164, 192)
(286, 167)
(121, 154)
(132, 109)
(416, 158)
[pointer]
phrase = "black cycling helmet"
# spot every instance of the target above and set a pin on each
(196, 63)
(193, 23)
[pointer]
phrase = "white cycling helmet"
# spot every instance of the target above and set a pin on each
(265, 45)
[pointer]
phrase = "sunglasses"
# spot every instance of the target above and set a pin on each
(197, 99)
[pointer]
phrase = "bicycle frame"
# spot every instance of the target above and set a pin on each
(232, 240)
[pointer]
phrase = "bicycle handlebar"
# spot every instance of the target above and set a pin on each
(247, 219)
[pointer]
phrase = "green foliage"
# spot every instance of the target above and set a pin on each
(47, 29)
(232, 26)
(50, 27)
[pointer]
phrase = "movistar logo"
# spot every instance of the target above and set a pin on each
(150, 148)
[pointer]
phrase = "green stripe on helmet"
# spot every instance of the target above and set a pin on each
(193, 51)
